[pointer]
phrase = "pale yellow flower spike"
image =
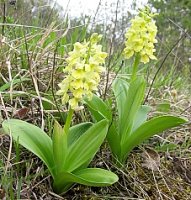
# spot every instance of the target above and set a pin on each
(84, 65)
(140, 37)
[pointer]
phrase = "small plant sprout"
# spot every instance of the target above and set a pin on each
(130, 126)
(71, 149)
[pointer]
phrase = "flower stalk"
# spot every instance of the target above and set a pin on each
(135, 67)
(68, 121)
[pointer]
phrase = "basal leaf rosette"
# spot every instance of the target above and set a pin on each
(82, 73)
(140, 38)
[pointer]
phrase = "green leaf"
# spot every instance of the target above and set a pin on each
(89, 176)
(148, 129)
(32, 138)
(114, 140)
(76, 131)
(128, 104)
(99, 108)
(120, 88)
(141, 116)
(86, 146)
(163, 107)
(134, 99)
(13, 82)
(60, 145)
(167, 147)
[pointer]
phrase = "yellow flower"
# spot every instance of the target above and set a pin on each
(78, 94)
(74, 103)
(140, 37)
(65, 98)
(84, 65)
(78, 83)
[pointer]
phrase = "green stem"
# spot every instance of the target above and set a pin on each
(135, 66)
(68, 120)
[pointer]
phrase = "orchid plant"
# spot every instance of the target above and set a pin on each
(68, 153)
(129, 124)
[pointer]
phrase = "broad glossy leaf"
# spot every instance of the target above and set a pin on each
(86, 146)
(32, 138)
(99, 108)
(114, 139)
(148, 129)
(60, 145)
(132, 102)
(76, 131)
(89, 176)
(120, 88)
(141, 116)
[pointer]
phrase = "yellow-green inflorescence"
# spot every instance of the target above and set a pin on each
(140, 37)
(82, 73)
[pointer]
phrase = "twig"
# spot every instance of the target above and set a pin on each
(35, 84)
(110, 50)
(93, 21)
(51, 12)
(52, 81)
(11, 140)
(4, 18)
(120, 67)
(185, 110)
(161, 65)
